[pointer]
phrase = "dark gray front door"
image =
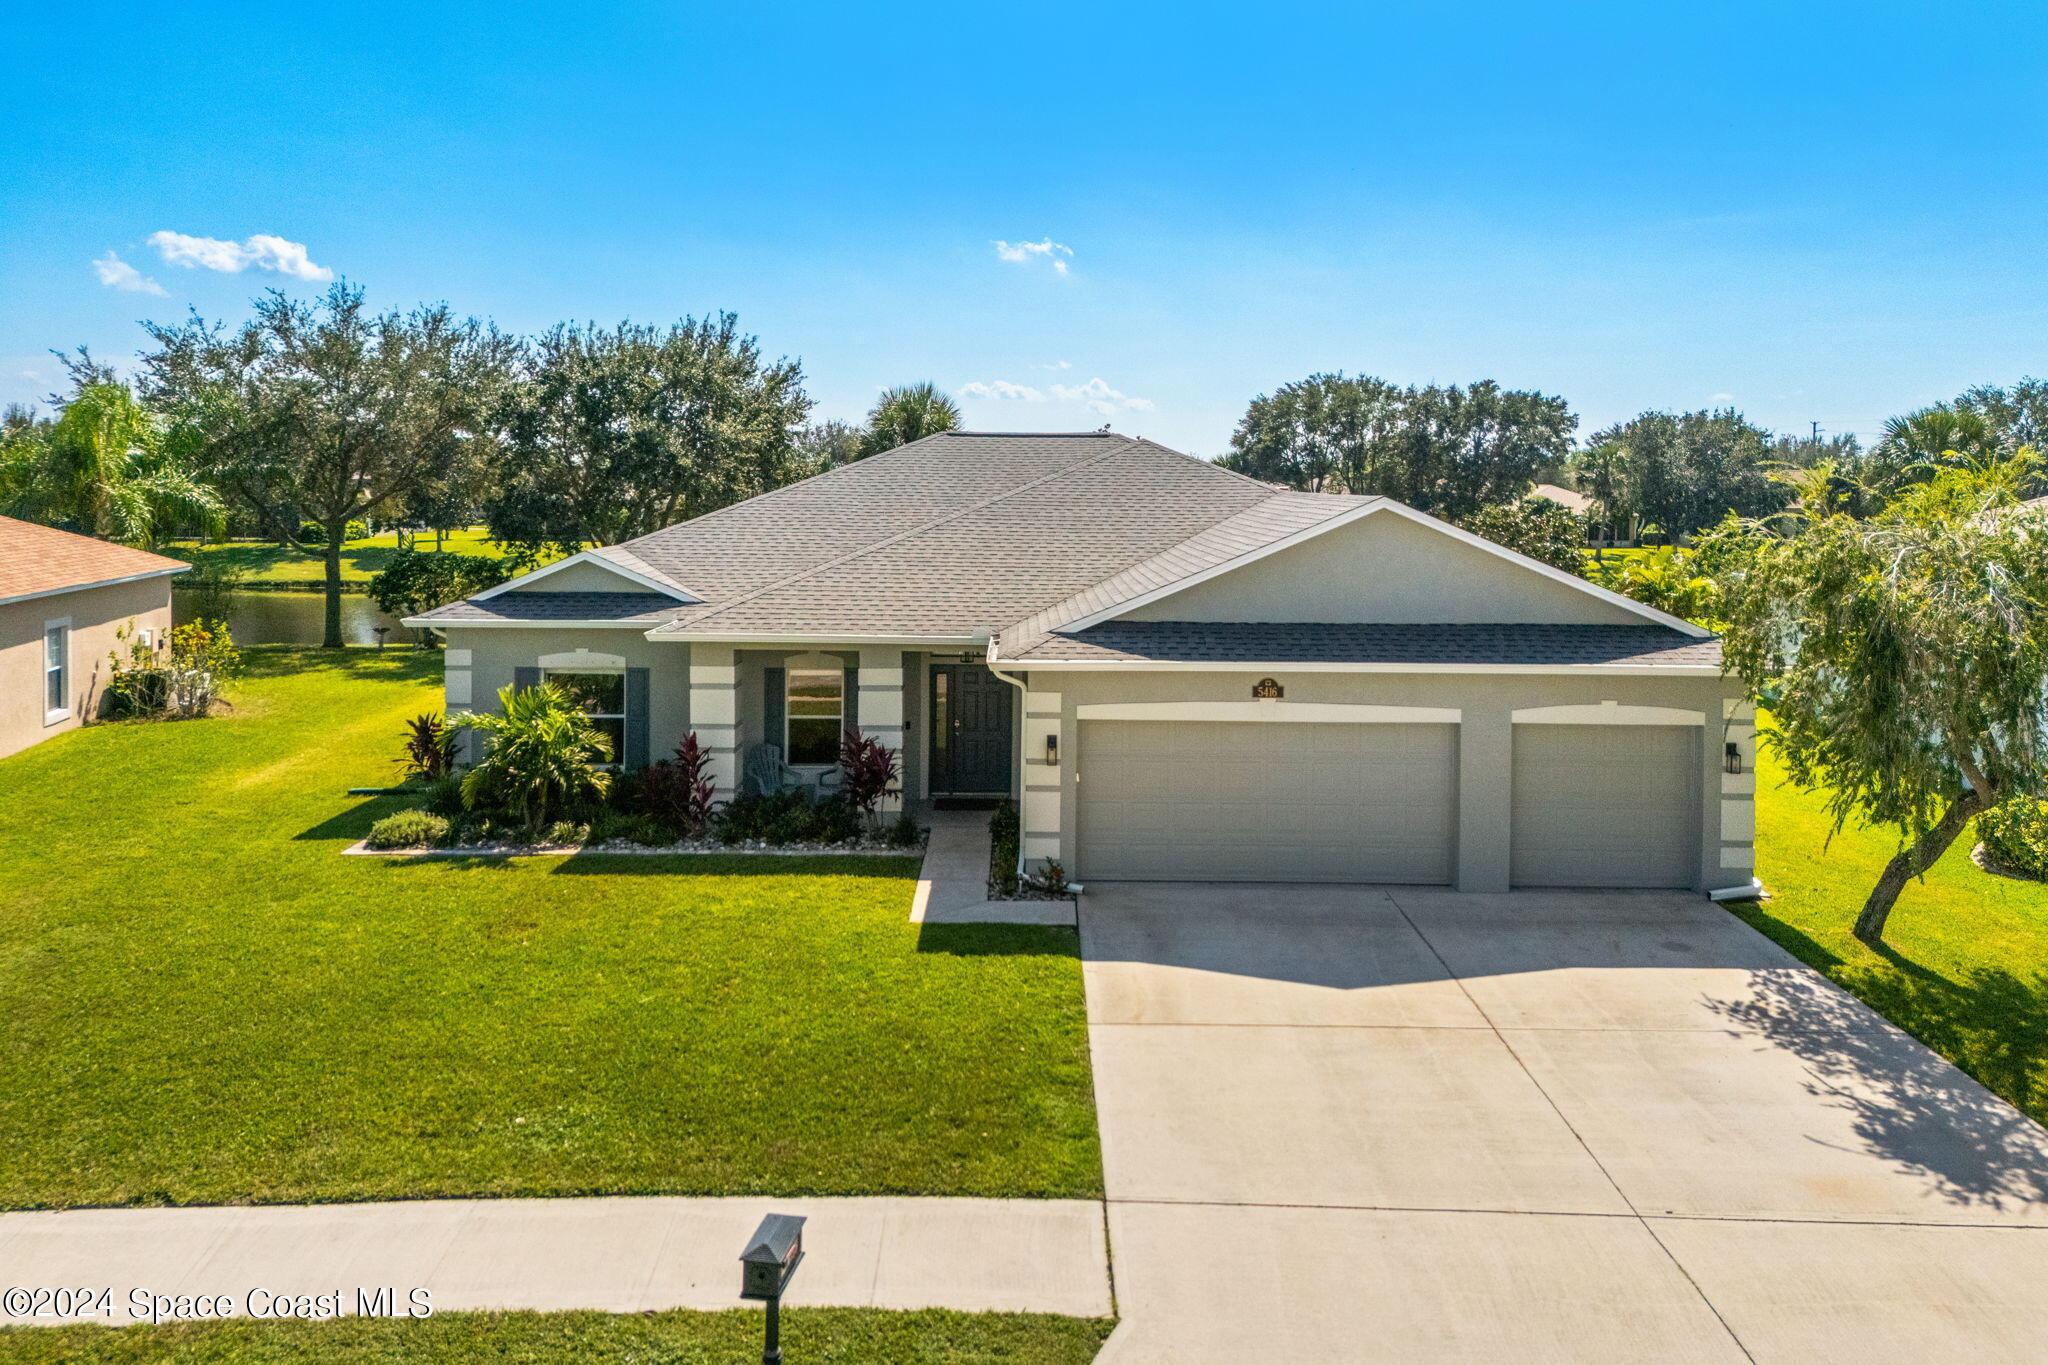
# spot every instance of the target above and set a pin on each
(971, 735)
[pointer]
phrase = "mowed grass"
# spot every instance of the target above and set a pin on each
(206, 1003)
(813, 1336)
(261, 562)
(1967, 970)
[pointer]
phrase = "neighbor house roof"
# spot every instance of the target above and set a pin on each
(1569, 498)
(1032, 538)
(40, 561)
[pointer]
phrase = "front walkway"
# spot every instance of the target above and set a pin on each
(953, 887)
(622, 1255)
(1347, 1124)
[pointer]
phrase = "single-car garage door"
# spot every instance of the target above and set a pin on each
(1259, 802)
(1605, 805)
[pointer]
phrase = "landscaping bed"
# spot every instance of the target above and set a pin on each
(204, 1005)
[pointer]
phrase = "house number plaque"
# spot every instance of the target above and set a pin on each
(1266, 689)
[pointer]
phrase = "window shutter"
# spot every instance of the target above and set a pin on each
(523, 678)
(636, 718)
(773, 698)
(850, 708)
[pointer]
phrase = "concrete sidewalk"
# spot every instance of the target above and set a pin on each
(620, 1255)
(953, 887)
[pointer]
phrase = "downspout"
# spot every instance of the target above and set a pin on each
(1017, 683)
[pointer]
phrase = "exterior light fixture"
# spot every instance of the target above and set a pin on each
(1732, 757)
(766, 1267)
(1052, 751)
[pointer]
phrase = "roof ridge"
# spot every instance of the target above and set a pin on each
(916, 530)
(1209, 464)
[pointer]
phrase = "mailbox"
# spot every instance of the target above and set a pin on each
(771, 1256)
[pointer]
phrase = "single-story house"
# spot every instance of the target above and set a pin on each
(62, 597)
(1179, 673)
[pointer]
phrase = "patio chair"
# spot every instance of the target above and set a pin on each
(762, 771)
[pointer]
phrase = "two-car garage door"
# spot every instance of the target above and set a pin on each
(1267, 802)
(1593, 805)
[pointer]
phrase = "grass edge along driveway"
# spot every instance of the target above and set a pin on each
(206, 1004)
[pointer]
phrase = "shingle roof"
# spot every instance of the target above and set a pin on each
(641, 608)
(36, 559)
(1305, 643)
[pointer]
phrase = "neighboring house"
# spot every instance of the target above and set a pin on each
(62, 597)
(1180, 673)
(1598, 533)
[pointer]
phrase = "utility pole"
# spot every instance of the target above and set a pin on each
(1816, 432)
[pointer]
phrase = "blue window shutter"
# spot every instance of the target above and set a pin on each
(636, 718)
(772, 704)
(523, 678)
(850, 708)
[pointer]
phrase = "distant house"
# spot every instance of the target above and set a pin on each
(1597, 532)
(1255, 684)
(62, 597)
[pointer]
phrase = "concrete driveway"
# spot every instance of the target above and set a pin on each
(1358, 1124)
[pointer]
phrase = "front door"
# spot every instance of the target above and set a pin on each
(971, 733)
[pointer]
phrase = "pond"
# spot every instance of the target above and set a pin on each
(287, 618)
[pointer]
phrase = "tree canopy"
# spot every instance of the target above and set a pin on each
(1902, 657)
(1441, 449)
(327, 412)
(610, 433)
(1682, 472)
(908, 413)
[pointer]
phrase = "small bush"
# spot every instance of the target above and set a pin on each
(313, 533)
(2015, 835)
(633, 829)
(409, 829)
(903, 831)
(837, 820)
(566, 832)
(675, 791)
(443, 796)
(429, 747)
(1006, 831)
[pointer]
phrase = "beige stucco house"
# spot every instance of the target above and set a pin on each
(62, 597)
(1178, 672)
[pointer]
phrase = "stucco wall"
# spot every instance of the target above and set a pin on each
(95, 614)
(1486, 703)
(1384, 567)
(478, 663)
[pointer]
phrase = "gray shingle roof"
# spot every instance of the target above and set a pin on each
(1288, 642)
(648, 608)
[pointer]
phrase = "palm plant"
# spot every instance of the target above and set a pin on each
(908, 413)
(541, 754)
(108, 467)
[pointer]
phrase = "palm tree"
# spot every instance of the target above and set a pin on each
(106, 467)
(908, 413)
(1916, 445)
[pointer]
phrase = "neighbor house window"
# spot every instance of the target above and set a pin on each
(815, 714)
(56, 671)
(602, 695)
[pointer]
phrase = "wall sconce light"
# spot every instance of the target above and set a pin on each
(1732, 758)
(1052, 751)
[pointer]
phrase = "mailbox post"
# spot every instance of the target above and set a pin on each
(766, 1267)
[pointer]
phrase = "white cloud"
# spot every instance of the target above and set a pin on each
(262, 250)
(116, 273)
(1001, 388)
(1100, 397)
(1096, 395)
(1721, 398)
(1023, 253)
(1056, 365)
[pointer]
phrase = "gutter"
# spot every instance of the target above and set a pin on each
(99, 583)
(1017, 683)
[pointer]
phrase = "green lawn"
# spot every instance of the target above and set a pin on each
(262, 563)
(206, 1003)
(1968, 971)
(812, 1336)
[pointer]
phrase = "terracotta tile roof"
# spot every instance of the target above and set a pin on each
(38, 560)
(1283, 642)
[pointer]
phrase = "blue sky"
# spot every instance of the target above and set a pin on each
(1813, 212)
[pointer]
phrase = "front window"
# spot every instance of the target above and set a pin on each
(56, 649)
(603, 698)
(816, 713)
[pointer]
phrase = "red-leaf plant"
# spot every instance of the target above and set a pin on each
(677, 791)
(868, 770)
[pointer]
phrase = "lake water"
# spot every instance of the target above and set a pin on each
(288, 618)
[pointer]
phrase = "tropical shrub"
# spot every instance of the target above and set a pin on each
(541, 755)
(566, 833)
(791, 816)
(1006, 832)
(183, 678)
(1051, 878)
(677, 791)
(2015, 835)
(429, 747)
(313, 533)
(903, 831)
(868, 770)
(418, 580)
(1669, 578)
(443, 796)
(409, 829)
(633, 829)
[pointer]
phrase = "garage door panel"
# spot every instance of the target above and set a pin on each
(1611, 805)
(1266, 802)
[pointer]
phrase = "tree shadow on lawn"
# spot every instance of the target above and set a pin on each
(998, 940)
(354, 823)
(736, 865)
(366, 662)
(1906, 1103)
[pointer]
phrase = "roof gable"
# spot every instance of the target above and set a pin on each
(608, 570)
(1375, 562)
